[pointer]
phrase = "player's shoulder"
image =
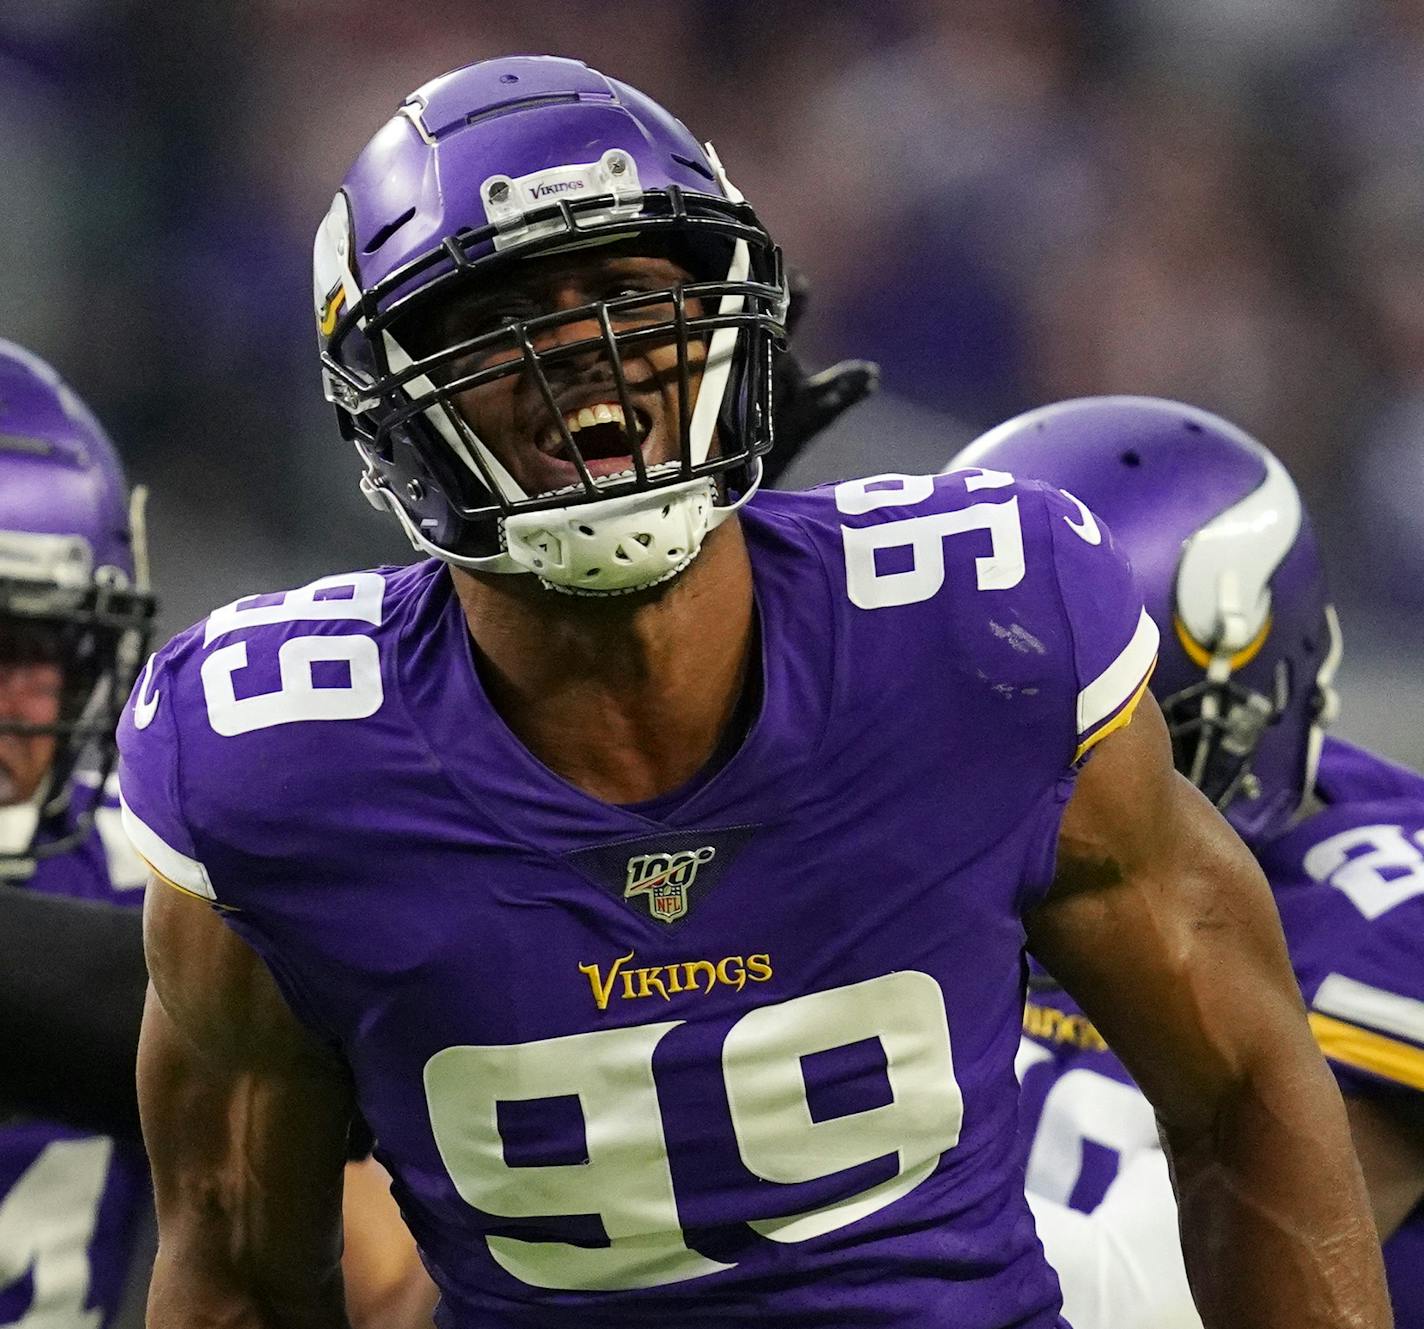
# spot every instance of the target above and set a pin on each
(1003, 580)
(227, 713)
(907, 539)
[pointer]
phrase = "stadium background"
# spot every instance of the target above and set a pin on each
(1003, 201)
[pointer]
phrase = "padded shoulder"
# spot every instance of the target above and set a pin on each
(239, 711)
(1022, 583)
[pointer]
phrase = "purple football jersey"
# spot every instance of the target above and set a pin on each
(1349, 883)
(740, 1056)
(70, 1201)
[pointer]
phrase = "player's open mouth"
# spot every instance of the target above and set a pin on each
(599, 431)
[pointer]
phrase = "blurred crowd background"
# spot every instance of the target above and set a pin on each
(1005, 202)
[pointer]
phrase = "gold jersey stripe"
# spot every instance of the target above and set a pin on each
(182, 890)
(1119, 720)
(1369, 1051)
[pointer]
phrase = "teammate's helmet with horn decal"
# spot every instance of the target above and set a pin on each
(1228, 565)
(522, 158)
(73, 583)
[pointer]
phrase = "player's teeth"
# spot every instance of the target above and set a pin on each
(602, 413)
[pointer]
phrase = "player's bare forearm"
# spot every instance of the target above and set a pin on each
(187, 1293)
(245, 1120)
(1162, 927)
(1276, 1228)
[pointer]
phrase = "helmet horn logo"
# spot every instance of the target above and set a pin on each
(665, 879)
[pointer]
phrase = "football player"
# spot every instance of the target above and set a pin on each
(652, 863)
(74, 615)
(1225, 555)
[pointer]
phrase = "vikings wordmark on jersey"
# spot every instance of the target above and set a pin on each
(741, 1056)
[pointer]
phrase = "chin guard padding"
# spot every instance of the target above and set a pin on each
(615, 546)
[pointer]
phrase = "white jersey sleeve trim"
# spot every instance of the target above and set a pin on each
(1121, 680)
(1359, 1003)
(186, 873)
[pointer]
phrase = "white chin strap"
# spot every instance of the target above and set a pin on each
(618, 545)
(613, 546)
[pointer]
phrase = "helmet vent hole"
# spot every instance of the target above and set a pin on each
(585, 530)
(643, 538)
(1131, 458)
(667, 507)
(622, 555)
(593, 572)
(674, 553)
(388, 230)
(1193, 427)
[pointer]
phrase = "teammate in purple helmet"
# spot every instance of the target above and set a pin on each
(1225, 555)
(652, 863)
(75, 610)
(74, 616)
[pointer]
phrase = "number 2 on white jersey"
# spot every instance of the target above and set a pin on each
(1355, 862)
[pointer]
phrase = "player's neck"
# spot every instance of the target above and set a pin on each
(625, 697)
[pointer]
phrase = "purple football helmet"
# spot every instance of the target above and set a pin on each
(1228, 566)
(73, 579)
(520, 158)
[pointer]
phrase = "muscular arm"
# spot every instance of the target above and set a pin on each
(1162, 927)
(245, 1118)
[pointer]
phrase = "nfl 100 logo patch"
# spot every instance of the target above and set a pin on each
(665, 879)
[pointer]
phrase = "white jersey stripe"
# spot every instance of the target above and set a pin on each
(181, 870)
(1121, 679)
(1359, 1003)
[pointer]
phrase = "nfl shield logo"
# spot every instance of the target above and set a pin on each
(665, 879)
